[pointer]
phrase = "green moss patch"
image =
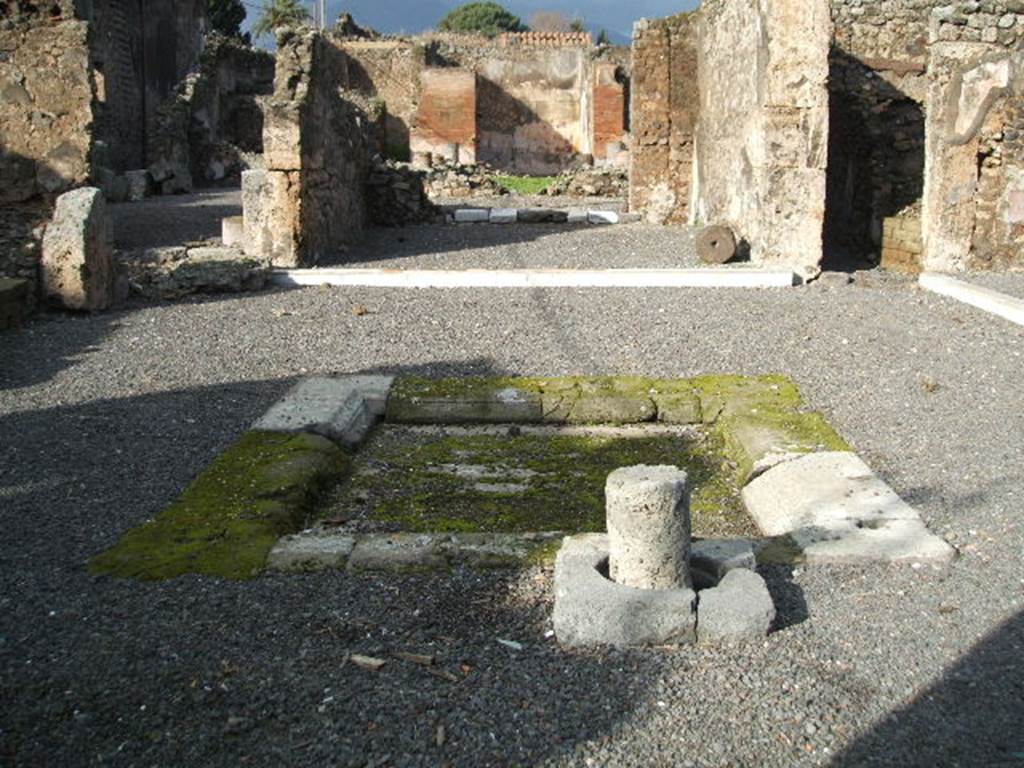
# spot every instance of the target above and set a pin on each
(226, 522)
(541, 479)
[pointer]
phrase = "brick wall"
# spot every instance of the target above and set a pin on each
(663, 117)
(609, 122)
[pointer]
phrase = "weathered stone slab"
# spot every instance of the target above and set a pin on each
(603, 217)
(591, 609)
(677, 408)
(542, 216)
(232, 230)
(398, 553)
(739, 609)
(508, 404)
(495, 550)
(13, 298)
(342, 409)
(309, 551)
(472, 216)
(579, 216)
(648, 513)
(504, 216)
(834, 508)
(77, 266)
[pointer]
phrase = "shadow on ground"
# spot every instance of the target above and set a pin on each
(973, 716)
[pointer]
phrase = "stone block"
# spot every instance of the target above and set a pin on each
(542, 216)
(592, 610)
(579, 216)
(501, 405)
(712, 559)
(398, 553)
(311, 551)
(648, 511)
(603, 217)
(835, 509)
(612, 409)
(678, 408)
(472, 216)
(739, 609)
(342, 409)
(138, 185)
(232, 231)
(77, 267)
(494, 550)
(504, 216)
(13, 302)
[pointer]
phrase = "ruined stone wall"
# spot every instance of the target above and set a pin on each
(663, 117)
(389, 71)
(877, 87)
(46, 107)
(974, 190)
(762, 134)
(141, 51)
(203, 133)
(446, 124)
(311, 200)
(535, 99)
(46, 116)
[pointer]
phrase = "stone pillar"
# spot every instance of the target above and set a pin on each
(648, 512)
(77, 267)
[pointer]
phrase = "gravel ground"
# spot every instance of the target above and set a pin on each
(1010, 283)
(104, 419)
(521, 246)
(175, 219)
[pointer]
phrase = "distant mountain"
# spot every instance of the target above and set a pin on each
(413, 16)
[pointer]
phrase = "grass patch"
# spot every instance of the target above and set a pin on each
(525, 185)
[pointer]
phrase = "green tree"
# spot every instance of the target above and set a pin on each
(226, 16)
(602, 37)
(578, 25)
(280, 13)
(487, 18)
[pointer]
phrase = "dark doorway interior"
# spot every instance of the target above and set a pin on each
(876, 160)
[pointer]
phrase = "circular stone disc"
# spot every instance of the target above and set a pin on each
(716, 245)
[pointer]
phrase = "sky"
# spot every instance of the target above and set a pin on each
(411, 16)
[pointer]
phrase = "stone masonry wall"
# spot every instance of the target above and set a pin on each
(877, 87)
(46, 116)
(762, 134)
(310, 201)
(535, 100)
(664, 112)
(446, 124)
(389, 71)
(974, 191)
(46, 108)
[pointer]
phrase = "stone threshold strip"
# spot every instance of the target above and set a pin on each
(985, 299)
(812, 497)
(541, 216)
(722, 277)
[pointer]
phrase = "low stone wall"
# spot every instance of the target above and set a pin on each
(762, 135)
(317, 141)
(974, 192)
(902, 245)
(664, 113)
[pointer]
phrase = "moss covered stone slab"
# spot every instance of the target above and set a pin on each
(227, 521)
(560, 400)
